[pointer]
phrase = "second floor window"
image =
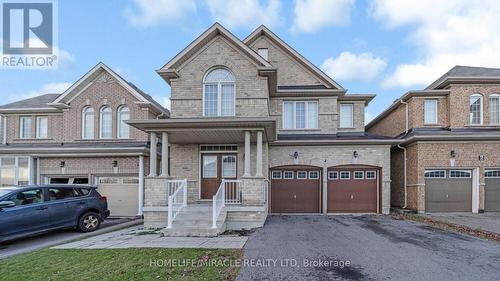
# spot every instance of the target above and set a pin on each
(25, 127)
(430, 111)
(106, 120)
(88, 123)
(476, 109)
(123, 128)
(495, 109)
(41, 127)
(300, 115)
(219, 93)
(346, 115)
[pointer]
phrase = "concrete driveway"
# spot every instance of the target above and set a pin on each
(30, 244)
(486, 221)
(376, 248)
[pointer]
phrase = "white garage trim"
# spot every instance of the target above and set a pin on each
(475, 190)
(140, 202)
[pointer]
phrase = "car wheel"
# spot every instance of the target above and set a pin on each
(89, 222)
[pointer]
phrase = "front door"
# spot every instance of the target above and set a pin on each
(214, 168)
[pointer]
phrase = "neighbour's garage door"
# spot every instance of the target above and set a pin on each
(295, 189)
(353, 189)
(492, 190)
(121, 193)
(448, 190)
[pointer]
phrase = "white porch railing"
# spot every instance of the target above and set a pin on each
(233, 191)
(177, 198)
(218, 202)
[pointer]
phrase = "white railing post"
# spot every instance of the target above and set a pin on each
(176, 199)
(214, 212)
(170, 211)
(223, 193)
(184, 199)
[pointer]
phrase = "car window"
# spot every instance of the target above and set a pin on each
(27, 197)
(84, 191)
(62, 193)
(5, 191)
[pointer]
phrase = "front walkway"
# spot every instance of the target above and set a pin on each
(136, 237)
(487, 221)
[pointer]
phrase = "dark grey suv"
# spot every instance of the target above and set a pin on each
(28, 210)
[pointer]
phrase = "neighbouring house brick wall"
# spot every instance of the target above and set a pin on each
(290, 71)
(187, 90)
(397, 177)
(459, 103)
(391, 125)
(327, 156)
(417, 112)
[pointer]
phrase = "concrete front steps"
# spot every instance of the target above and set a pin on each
(196, 221)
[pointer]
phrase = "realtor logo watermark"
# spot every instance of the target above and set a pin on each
(29, 34)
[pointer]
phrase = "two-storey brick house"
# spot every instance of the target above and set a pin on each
(448, 159)
(81, 136)
(256, 128)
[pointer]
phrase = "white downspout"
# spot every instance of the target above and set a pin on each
(404, 155)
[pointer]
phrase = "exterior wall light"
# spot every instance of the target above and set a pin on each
(62, 164)
(115, 164)
(453, 154)
(355, 154)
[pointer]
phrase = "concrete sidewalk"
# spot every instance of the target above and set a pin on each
(135, 237)
(487, 221)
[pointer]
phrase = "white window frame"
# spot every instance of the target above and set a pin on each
(16, 168)
(371, 178)
(336, 177)
(351, 124)
(101, 113)
(294, 114)
(342, 172)
(468, 172)
(274, 177)
(493, 97)
(362, 175)
(480, 108)
(84, 119)
(121, 122)
(219, 93)
(313, 177)
(495, 175)
(38, 134)
(285, 173)
(434, 171)
(436, 104)
(302, 178)
(21, 127)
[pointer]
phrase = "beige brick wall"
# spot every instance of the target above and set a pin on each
(187, 90)
(358, 116)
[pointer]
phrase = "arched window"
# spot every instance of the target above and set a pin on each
(123, 128)
(495, 109)
(219, 93)
(106, 120)
(87, 123)
(476, 109)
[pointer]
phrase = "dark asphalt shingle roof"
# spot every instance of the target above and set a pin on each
(339, 136)
(90, 144)
(34, 102)
(468, 72)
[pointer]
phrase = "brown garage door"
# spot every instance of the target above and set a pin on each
(492, 191)
(295, 189)
(353, 189)
(448, 190)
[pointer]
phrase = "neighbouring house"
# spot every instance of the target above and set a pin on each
(80, 137)
(448, 157)
(255, 128)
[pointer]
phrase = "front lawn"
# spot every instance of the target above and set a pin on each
(123, 264)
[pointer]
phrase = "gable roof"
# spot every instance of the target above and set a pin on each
(461, 73)
(35, 103)
(205, 37)
(263, 30)
(85, 80)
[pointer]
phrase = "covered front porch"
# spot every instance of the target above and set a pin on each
(214, 165)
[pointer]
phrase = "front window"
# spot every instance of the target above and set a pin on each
(123, 128)
(229, 166)
(41, 127)
(300, 115)
(106, 119)
(88, 123)
(495, 109)
(430, 111)
(25, 127)
(33, 196)
(346, 115)
(219, 93)
(476, 109)
(14, 170)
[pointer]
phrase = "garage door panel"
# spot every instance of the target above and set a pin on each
(122, 197)
(448, 195)
(492, 195)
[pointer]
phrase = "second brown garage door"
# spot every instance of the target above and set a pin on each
(353, 189)
(295, 189)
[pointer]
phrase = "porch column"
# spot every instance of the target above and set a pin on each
(141, 185)
(153, 155)
(247, 154)
(164, 154)
(258, 167)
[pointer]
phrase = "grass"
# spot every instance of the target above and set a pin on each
(450, 226)
(120, 264)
